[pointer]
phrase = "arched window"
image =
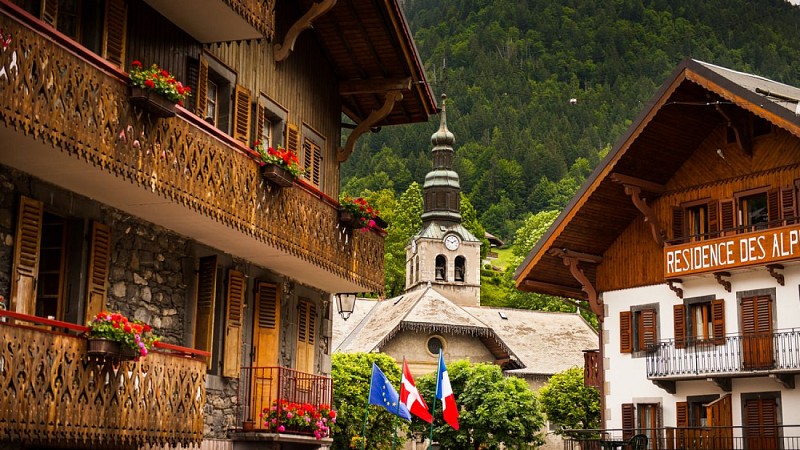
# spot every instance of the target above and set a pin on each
(460, 268)
(410, 271)
(417, 268)
(441, 268)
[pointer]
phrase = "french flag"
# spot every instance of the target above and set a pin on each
(444, 392)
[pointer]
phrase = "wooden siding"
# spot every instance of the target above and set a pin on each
(775, 163)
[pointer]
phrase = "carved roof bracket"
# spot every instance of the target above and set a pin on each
(725, 283)
(773, 271)
(390, 99)
(740, 130)
(571, 259)
(671, 283)
(281, 51)
(633, 188)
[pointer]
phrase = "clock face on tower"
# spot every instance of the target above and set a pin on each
(451, 242)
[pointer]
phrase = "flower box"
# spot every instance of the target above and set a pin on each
(108, 349)
(277, 175)
(349, 220)
(152, 102)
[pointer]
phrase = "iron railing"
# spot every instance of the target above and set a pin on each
(733, 354)
(267, 394)
(758, 437)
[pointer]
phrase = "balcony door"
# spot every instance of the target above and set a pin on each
(757, 346)
(761, 423)
(264, 381)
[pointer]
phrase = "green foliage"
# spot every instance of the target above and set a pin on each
(495, 411)
(351, 373)
(469, 218)
(405, 223)
(569, 403)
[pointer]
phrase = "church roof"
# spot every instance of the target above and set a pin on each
(437, 230)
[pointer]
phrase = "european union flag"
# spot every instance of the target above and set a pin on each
(382, 393)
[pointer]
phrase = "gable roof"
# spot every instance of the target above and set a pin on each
(684, 111)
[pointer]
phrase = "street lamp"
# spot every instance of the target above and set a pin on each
(345, 303)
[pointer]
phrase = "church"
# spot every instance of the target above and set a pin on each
(440, 308)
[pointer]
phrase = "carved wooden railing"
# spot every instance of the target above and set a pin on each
(57, 92)
(591, 368)
(258, 13)
(53, 393)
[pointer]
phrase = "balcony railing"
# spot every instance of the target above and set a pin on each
(733, 355)
(54, 394)
(57, 92)
(265, 391)
(756, 437)
(591, 368)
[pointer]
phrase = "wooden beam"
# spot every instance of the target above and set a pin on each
(633, 188)
(583, 257)
(647, 186)
(281, 51)
(572, 260)
(374, 86)
(557, 289)
(390, 99)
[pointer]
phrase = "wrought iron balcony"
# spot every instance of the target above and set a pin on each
(266, 394)
(775, 354)
(54, 394)
(756, 436)
(69, 110)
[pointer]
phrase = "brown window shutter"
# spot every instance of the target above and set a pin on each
(713, 218)
(628, 420)
(206, 297)
(99, 262)
(27, 243)
(681, 422)
(292, 138)
(677, 223)
(49, 13)
(312, 161)
(267, 324)
(718, 321)
(201, 93)
(774, 207)
(727, 215)
(625, 332)
(241, 126)
(115, 31)
(237, 286)
(306, 329)
(679, 316)
(261, 115)
(788, 205)
(649, 329)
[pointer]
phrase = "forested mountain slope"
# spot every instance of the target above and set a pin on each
(510, 68)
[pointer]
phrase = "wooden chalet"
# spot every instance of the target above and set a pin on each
(685, 243)
(110, 200)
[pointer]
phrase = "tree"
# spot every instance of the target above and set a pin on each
(351, 373)
(495, 411)
(568, 402)
(469, 218)
(405, 222)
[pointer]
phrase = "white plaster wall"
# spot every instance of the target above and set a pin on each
(626, 377)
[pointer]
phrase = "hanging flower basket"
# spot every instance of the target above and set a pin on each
(277, 175)
(349, 220)
(108, 349)
(152, 102)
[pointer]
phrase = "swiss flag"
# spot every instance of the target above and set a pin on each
(409, 396)
(444, 392)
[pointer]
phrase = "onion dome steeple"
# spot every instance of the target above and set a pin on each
(441, 190)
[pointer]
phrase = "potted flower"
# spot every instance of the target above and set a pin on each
(112, 335)
(304, 418)
(156, 90)
(279, 166)
(358, 214)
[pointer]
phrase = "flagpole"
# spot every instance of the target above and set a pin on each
(366, 412)
(433, 407)
(397, 412)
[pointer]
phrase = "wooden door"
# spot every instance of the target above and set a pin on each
(761, 423)
(719, 416)
(264, 381)
(757, 349)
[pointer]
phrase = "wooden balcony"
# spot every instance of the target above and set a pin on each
(221, 20)
(68, 121)
(592, 368)
(54, 394)
(776, 355)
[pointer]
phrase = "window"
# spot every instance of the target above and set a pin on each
(460, 268)
(212, 103)
(435, 345)
(638, 329)
(753, 213)
(213, 99)
(313, 154)
(642, 418)
(695, 221)
(441, 268)
(270, 122)
(699, 320)
(416, 264)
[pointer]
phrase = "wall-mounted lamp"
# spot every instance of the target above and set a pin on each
(345, 303)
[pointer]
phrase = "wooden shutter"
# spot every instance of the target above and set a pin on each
(49, 12)
(241, 117)
(628, 420)
(677, 223)
(757, 345)
(681, 422)
(206, 297)
(261, 115)
(713, 218)
(99, 266)
(718, 321)
(267, 324)
(312, 161)
(293, 138)
(727, 216)
(306, 336)
(625, 332)
(788, 205)
(201, 93)
(761, 423)
(773, 207)
(25, 267)
(115, 31)
(679, 319)
(237, 285)
(648, 332)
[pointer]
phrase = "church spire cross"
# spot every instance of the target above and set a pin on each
(441, 191)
